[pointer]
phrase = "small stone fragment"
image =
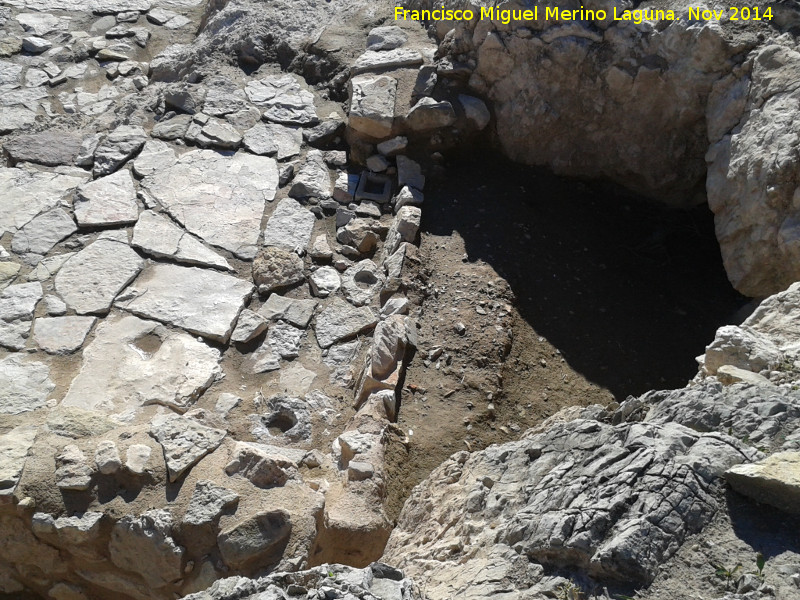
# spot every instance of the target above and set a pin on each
(185, 442)
(72, 473)
(106, 457)
(137, 458)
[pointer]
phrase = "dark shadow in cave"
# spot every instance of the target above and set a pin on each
(629, 291)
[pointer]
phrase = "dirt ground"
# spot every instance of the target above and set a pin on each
(570, 293)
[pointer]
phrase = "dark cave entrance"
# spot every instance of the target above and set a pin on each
(628, 290)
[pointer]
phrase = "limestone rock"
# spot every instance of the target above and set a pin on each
(404, 228)
(728, 375)
(43, 232)
(361, 282)
(258, 540)
(24, 385)
(774, 480)
(408, 196)
(263, 469)
(109, 200)
(325, 281)
(475, 110)
(372, 105)
(199, 300)
(292, 310)
(158, 236)
(249, 325)
(360, 233)
(121, 144)
(340, 321)
(409, 173)
(264, 359)
(90, 280)
(185, 442)
(106, 457)
(138, 456)
(320, 249)
(155, 155)
(386, 38)
(14, 448)
(275, 268)
(740, 348)
(27, 194)
(388, 346)
(289, 415)
(17, 303)
(375, 581)
(199, 524)
(50, 148)
(62, 335)
(272, 139)
(345, 186)
(427, 114)
(313, 178)
(208, 132)
(78, 530)
(632, 519)
(290, 225)
(285, 340)
(373, 60)
(132, 362)
(220, 199)
(72, 472)
(226, 403)
(143, 544)
(284, 100)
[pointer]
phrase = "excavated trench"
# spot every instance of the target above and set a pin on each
(603, 294)
(629, 291)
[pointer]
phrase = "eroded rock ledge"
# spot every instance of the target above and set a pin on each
(677, 110)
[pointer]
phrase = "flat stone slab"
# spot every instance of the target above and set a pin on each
(219, 198)
(295, 311)
(185, 442)
(373, 60)
(24, 385)
(48, 148)
(201, 301)
(372, 104)
(62, 335)
(91, 279)
(158, 236)
(43, 232)
(284, 99)
(340, 320)
(17, 303)
(289, 226)
(27, 194)
(272, 139)
(774, 481)
(132, 362)
(109, 200)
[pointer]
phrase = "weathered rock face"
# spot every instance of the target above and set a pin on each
(627, 495)
(753, 172)
(667, 108)
(376, 581)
